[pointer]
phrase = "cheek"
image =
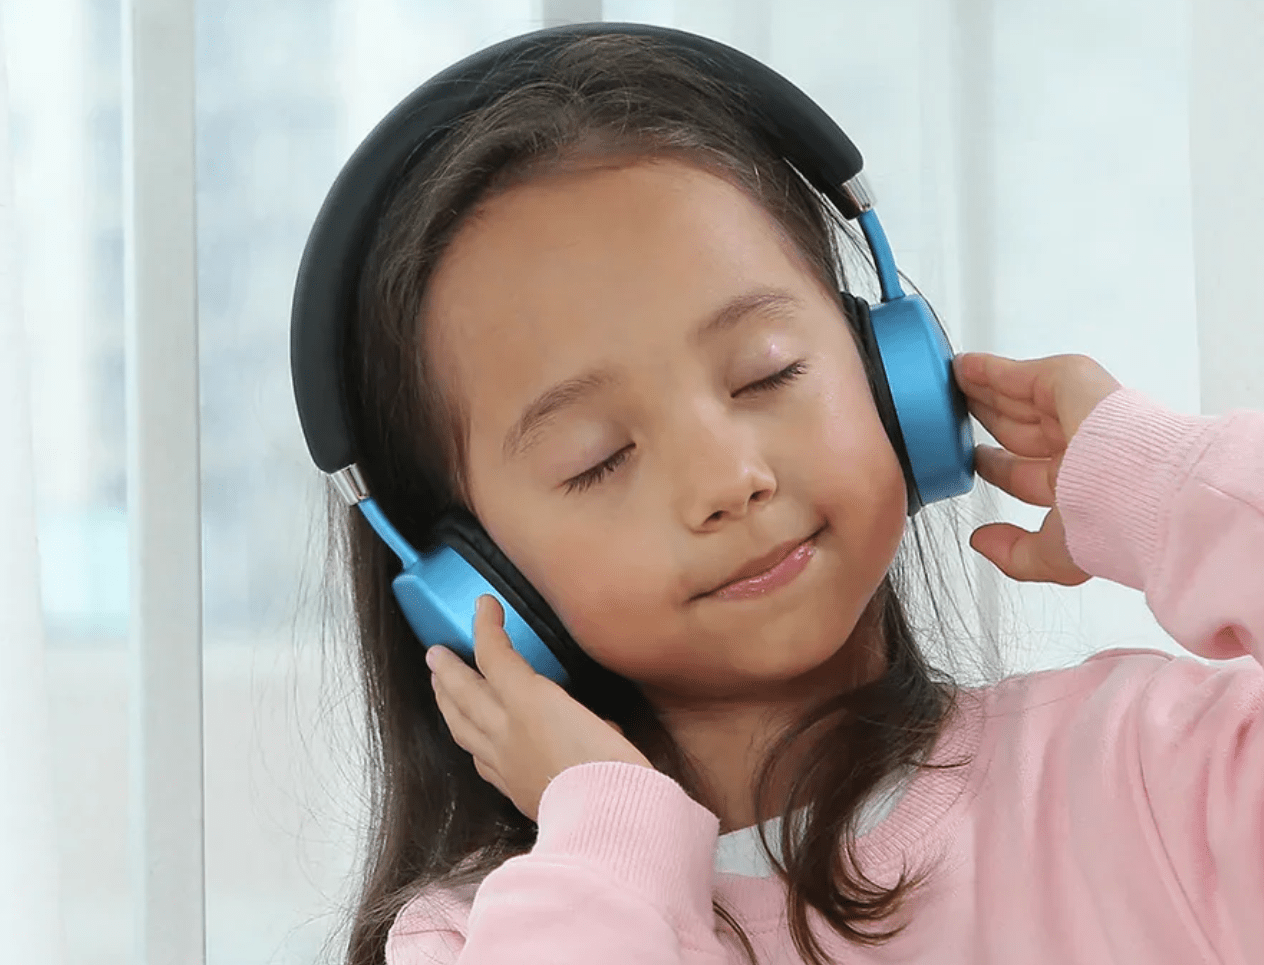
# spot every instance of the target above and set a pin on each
(615, 611)
(606, 588)
(849, 427)
(857, 462)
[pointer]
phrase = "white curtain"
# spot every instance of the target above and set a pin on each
(30, 912)
(1226, 131)
(1061, 177)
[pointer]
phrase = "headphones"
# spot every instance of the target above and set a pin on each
(921, 406)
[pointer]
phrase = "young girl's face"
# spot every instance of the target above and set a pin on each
(652, 480)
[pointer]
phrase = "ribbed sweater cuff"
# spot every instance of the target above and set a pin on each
(638, 824)
(1121, 470)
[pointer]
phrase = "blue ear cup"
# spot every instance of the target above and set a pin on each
(934, 420)
(438, 593)
(928, 420)
(438, 590)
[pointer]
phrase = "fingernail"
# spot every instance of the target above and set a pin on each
(431, 658)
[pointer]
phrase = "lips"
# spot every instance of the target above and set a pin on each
(762, 564)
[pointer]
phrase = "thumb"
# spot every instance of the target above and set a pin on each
(494, 650)
(1007, 548)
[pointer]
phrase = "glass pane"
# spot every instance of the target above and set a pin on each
(63, 61)
(285, 92)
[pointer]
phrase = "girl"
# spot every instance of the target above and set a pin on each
(649, 390)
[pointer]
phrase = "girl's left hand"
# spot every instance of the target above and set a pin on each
(1032, 408)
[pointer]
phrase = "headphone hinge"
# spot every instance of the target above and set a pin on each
(350, 484)
(857, 192)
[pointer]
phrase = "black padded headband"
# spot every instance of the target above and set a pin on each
(329, 273)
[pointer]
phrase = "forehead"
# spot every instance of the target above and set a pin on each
(606, 264)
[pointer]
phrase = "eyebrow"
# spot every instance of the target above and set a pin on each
(524, 433)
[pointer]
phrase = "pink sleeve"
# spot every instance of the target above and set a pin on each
(1174, 506)
(621, 874)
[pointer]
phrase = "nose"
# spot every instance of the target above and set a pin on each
(723, 472)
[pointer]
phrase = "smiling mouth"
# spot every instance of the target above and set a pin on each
(781, 558)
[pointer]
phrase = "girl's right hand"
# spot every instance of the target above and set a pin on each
(521, 728)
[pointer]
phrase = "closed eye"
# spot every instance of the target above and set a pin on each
(598, 472)
(788, 374)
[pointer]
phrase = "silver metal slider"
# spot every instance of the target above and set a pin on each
(350, 484)
(857, 191)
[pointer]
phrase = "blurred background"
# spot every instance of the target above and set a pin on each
(1032, 167)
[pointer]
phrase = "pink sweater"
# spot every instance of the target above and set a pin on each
(1114, 812)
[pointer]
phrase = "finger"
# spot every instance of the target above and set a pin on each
(465, 732)
(490, 775)
(500, 664)
(1031, 480)
(977, 377)
(468, 691)
(1038, 440)
(1066, 387)
(485, 769)
(1023, 556)
(997, 542)
(1020, 380)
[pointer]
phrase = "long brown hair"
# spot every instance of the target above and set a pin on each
(433, 820)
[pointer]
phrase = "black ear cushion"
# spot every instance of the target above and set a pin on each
(601, 690)
(858, 311)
